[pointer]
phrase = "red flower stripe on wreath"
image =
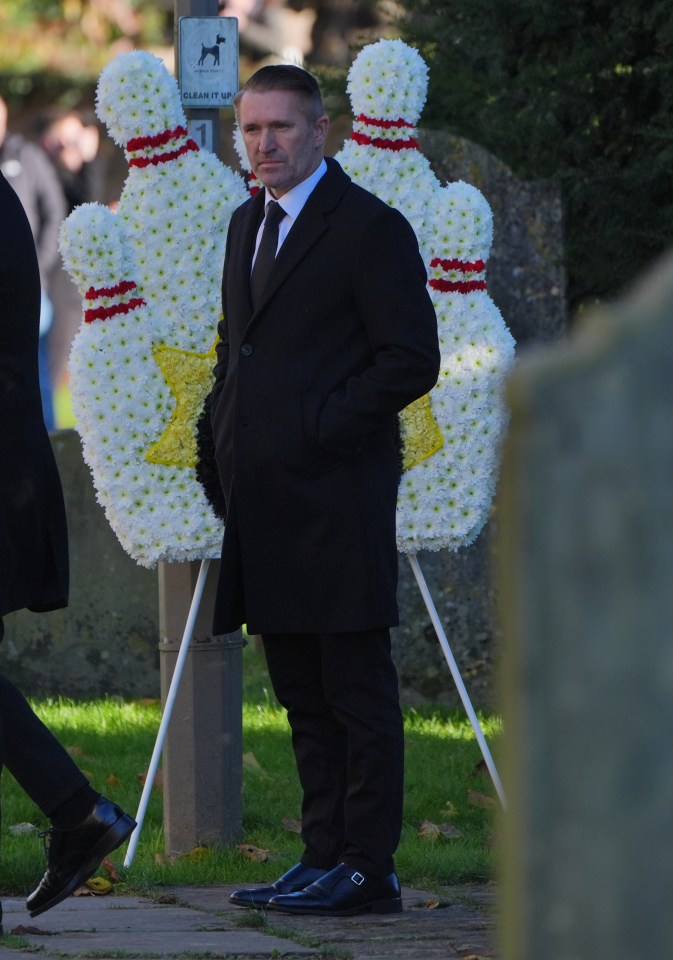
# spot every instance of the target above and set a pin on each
(458, 286)
(124, 286)
(463, 265)
(253, 184)
(119, 289)
(163, 157)
(386, 124)
(104, 313)
(159, 140)
(156, 140)
(364, 139)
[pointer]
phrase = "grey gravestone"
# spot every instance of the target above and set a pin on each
(525, 272)
(586, 592)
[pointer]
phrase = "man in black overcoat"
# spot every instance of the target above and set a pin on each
(319, 350)
(34, 575)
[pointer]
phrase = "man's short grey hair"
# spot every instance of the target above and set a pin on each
(285, 76)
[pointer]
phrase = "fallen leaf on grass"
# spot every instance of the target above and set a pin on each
(109, 867)
(428, 830)
(432, 831)
(112, 780)
(481, 800)
(23, 931)
(426, 905)
(291, 825)
(449, 831)
(253, 853)
(18, 829)
(250, 762)
(158, 784)
(99, 886)
(75, 751)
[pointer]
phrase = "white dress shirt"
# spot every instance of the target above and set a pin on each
(292, 203)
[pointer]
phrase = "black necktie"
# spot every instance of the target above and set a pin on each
(266, 253)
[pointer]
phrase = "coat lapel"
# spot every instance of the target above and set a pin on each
(245, 247)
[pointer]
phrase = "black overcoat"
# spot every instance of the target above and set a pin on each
(304, 412)
(33, 534)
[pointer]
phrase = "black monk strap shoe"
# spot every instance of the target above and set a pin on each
(295, 879)
(343, 892)
(74, 855)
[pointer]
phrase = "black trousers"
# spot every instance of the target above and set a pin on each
(342, 700)
(33, 755)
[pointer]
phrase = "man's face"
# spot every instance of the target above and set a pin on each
(283, 144)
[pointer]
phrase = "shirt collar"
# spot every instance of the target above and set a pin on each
(293, 201)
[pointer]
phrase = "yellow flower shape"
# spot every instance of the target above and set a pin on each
(190, 379)
(421, 437)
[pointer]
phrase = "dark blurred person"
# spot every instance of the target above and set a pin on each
(34, 575)
(28, 170)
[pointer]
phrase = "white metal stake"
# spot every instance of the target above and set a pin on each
(455, 673)
(168, 709)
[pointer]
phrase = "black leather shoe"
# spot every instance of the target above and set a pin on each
(343, 892)
(295, 879)
(74, 855)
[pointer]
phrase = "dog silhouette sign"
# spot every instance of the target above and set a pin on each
(208, 61)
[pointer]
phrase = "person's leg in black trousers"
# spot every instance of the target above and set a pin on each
(319, 742)
(40, 765)
(341, 694)
(85, 826)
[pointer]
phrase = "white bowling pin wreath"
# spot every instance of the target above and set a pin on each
(450, 437)
(141, 362)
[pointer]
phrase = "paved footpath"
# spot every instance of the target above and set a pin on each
(198, 923)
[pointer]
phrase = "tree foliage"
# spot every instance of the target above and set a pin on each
(75, 37)
(581, 91)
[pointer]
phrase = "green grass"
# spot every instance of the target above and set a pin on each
(112, 742)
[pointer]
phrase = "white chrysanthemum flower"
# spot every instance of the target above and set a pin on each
(170, 208)
(121, 106)
(388, 80)
(446, 492)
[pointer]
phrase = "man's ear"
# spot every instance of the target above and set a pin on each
(320, 130)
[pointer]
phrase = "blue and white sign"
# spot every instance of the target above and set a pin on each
(208, 62)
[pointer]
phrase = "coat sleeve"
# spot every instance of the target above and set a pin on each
(389, 282)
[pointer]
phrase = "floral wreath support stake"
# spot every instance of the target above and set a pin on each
(179, 667)
(168, 710)
(455, 673)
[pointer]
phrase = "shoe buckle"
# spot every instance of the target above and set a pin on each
(358, 879)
